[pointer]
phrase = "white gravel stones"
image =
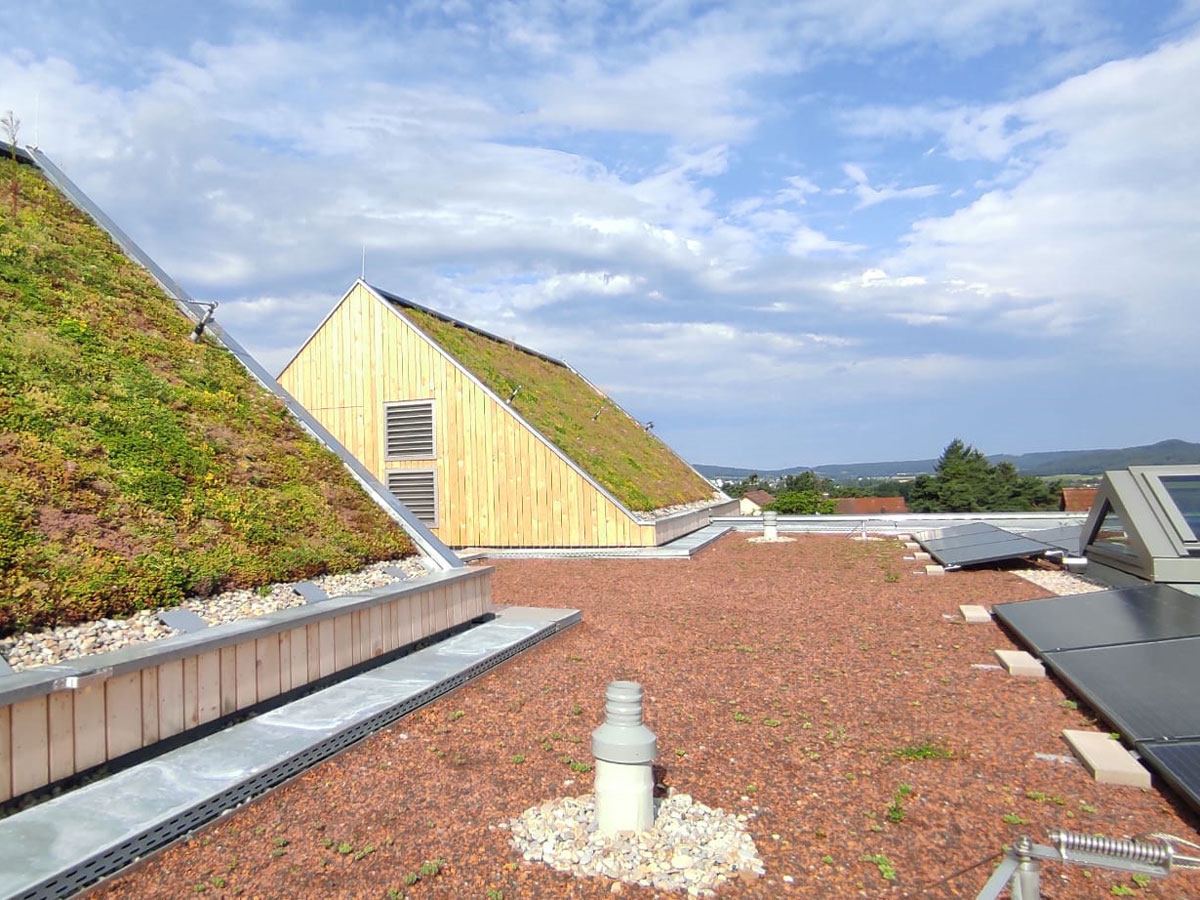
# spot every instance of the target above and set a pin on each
(691, 847)
(53, 645)
(761, 539)
(1059, 583)
(648, 516)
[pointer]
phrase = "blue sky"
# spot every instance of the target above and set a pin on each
(790, 233)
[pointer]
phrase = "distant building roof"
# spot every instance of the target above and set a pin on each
(1077, 499)
(762, 498)
(868, 506)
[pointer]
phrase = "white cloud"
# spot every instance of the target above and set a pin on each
(1105, 227)
(869, 196)
(807, 240)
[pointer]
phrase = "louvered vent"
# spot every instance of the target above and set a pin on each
(409, 430)
(416, 489)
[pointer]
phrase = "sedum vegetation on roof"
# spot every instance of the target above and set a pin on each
(136, 467)
(633, 465)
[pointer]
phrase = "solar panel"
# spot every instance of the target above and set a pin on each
(1151, 612)
(1179, 763)
(1147, 690)
(1065, 537)
(979, 542)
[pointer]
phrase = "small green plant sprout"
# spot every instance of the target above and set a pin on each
(1068, 704)
(576, 710)
(772, 723)
(456, 715)
(739, 716)
(1087, 807)
(923, 750)
(1121, 890)
(395, 894)
(577, 766)
(680, 753)
(886, 870)
(218, 881)
(895, 809)
(1142, 881)
(495, 894)
(280, 842)
(891, 577)
(345, 848)
(1014, 819)
(518, 758)
(827, 859)
(365, 851)
(432, 867)
(1045, 798)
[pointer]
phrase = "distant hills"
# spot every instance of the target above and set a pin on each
(1049, 463)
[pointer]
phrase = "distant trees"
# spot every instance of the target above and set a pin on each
(964, 481)
(801, 503)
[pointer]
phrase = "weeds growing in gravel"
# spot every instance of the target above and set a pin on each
(895, 809)
(924, 750)
(886, 870)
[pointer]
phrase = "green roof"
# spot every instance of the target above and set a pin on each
(613, 448)
(138, 467)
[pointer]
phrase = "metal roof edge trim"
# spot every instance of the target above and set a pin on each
(426, 540)
(389, 297)
(41, 680)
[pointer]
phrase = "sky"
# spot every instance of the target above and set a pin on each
(795, 233)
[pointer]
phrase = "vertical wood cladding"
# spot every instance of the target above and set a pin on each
(498, 483)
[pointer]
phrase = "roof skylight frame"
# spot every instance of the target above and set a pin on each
(1180, 532)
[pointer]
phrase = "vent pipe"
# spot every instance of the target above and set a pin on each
(770, 524)
(625, 750)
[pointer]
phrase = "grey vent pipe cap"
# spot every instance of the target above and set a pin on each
(623, 738)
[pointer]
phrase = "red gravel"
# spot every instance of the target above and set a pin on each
(781, 680)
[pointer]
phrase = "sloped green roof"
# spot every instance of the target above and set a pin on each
(631, 463)
(135, 466)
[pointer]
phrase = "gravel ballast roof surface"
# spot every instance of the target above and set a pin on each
(818, 687)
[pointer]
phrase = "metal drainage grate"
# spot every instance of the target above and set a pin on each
(108, 862)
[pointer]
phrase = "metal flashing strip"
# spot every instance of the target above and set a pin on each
(182, 620)
(681, 548)
(311, 592)
(65, 844)
(425, 539)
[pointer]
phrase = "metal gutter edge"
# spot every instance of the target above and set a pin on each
(429, 544)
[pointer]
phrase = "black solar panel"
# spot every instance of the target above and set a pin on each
(1065, 537)
(967, 545)
(1151, 612)
(1179, 764)
(1149, 690)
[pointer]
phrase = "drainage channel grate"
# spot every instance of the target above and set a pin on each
(108, 862)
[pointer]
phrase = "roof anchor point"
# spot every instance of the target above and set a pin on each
(209, 310)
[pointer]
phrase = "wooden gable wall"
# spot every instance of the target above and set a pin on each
(498, 483)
